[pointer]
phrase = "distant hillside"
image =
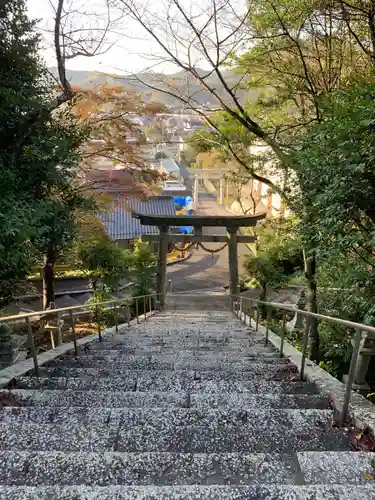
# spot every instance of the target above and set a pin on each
(182, 81)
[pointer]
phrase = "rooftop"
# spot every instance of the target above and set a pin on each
(120, 223)
(115, 181)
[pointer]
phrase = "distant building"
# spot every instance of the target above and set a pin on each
(123, 228)
(191, 125)
(113, 182)
(266, 200)
(167, 149)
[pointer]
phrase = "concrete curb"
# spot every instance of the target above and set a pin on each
(182, 259)
(361, 410)
(21, 368)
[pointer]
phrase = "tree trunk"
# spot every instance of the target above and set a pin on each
(49, 278)
(310, 274)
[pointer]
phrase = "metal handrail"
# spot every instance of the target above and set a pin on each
(329, 319)
(15, 317)
(113, 305)
(358, 327)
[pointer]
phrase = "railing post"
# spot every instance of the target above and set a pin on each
(150, 304)
(137, 310)
(241, 306)
(267, 324)
(282, 335)
(74, 336)
(128, 313)
(250, 311)
(144, 307)
(257, 320)
(116, 316)
(59, 339)
(32, 347)
(304, 348)
(350, 379)
(97, 313)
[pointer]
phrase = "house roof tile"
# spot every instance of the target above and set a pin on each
(120, 223)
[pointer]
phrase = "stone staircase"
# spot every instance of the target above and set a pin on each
(187, 405)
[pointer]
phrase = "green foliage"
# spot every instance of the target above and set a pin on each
(334, 162)
(107, 263)
(143, 269)
(39, 157)
(335, 170)
(200, 141)
(102, 260)
(278, 254)
(5, 331)
(345, 288)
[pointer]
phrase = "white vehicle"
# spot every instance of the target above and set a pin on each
(174, 186)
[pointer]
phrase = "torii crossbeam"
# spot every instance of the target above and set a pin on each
(231, 223)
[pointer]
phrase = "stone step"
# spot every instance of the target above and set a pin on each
(187, 344)
(163, 354)
(183, 320)
(180, 430)
(258, 492)
(200, 303)
(231, 372)
(172, 335)
(157, 364)
(159, 469)
(170, 329)
(177, 327)
(133, 469)
(156, 381)
(173, 345)
(59, 405)
(238, 367)
(160, 346)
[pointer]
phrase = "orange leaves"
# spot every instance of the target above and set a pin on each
(362, 440)
(370, 476)
(112, 113)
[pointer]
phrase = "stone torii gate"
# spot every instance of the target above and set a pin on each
(231, 223)
(209, 174)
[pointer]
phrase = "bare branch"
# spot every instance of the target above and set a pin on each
(67, 89)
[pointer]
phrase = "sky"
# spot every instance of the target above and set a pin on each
(130, 48)
(130, 54)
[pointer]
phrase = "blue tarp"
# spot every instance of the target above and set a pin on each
(188, 229)
(182, 201)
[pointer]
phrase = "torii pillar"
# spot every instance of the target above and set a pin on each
(196, 192)
(162, 261)
(221, 191)
(231, 223)
(233, 260)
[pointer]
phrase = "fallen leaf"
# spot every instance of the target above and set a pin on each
(362, 440)
(369, 476)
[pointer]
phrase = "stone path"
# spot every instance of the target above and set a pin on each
(188, 405)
